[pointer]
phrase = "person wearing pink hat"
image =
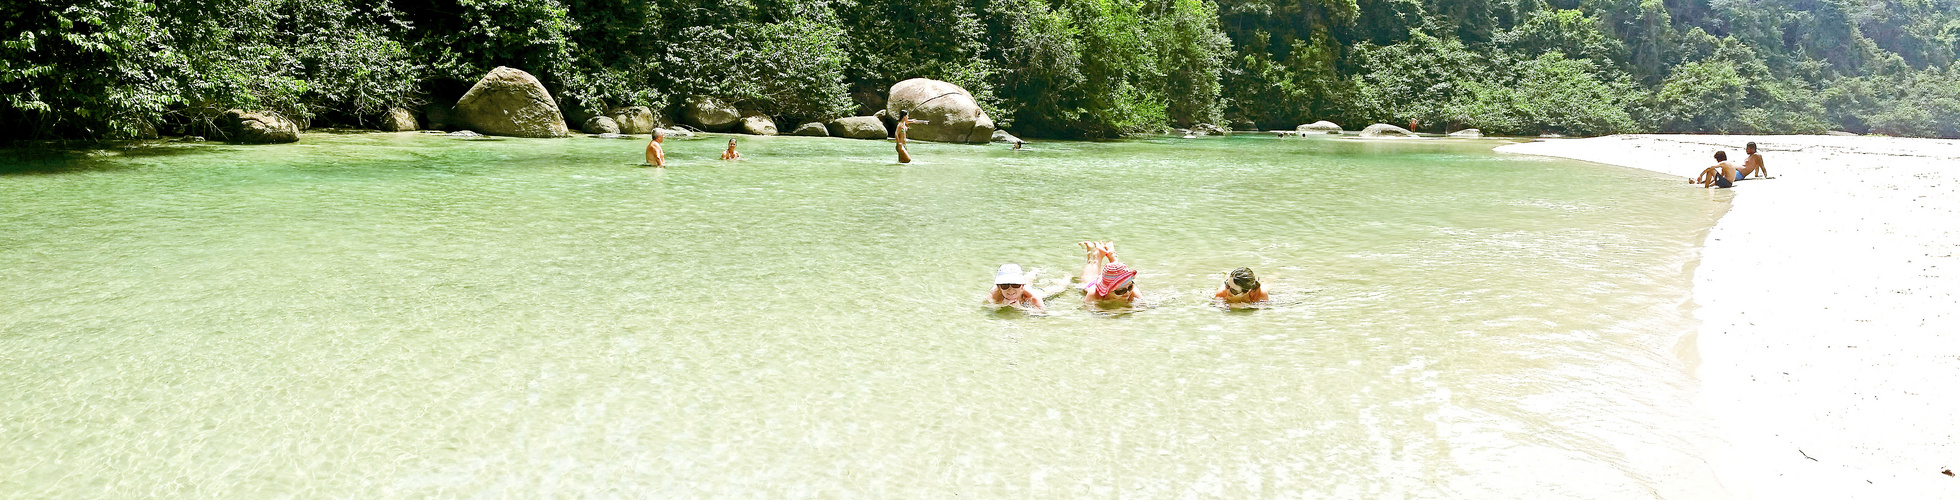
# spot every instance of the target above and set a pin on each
(1117, 286)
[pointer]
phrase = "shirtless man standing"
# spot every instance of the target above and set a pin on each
(656, 156)
(1753, 165)
(1720, 175)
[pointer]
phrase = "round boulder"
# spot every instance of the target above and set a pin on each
(636, 120)
(1322, 126)
(758, 125)
(398, 120)
(812, 129)
(600, 125)
(1003, 136)
(950, 113)
(511, 102)
(1468, 132)
(858, 127)
(256, 127)
(710, 114)
(1386, 130)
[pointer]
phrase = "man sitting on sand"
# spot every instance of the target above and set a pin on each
(1720, 175)
(1753, 165)
(1117, 286)
(656, 156)
(1241, 288)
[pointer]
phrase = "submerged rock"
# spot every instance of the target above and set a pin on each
(1323, 126)
(511, 102)
(1386, 130)
(949, 112)
(1207, 129)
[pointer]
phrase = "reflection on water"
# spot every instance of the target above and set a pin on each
(407, 315)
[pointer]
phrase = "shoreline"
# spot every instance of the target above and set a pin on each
(1821, 298)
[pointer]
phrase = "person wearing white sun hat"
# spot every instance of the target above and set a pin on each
(1011, 289)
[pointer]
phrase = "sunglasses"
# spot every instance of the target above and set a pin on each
(1123, 291)
(1008, 286)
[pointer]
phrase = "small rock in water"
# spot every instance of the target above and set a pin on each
(607, 136)
(464, 133)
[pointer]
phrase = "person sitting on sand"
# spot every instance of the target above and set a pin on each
(1720, 175)
(656, 156)
(1753, 165)
(898, 132)
(1241, 288)
(730, 154)
(1117, 286)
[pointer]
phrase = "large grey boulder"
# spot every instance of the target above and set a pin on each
(1208, 129)
(710, 114)
(1468, 132)
(600, 125)
(1003, 136)
(812, 129)
(1322, 126)
(950, 112)
(256, 127)
(759, 125)
(398, 120)
(858, 127)
(510, 102)
(636, 120)
(1386, 130)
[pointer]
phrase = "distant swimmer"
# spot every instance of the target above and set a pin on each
(730, 154)
(1241, 287)
(904, 123)
(1753, 165)
(1017, 144)
(1117, 285)
(1720, 175)
(656, 156)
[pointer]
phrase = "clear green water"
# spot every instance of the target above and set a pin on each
(404, 315)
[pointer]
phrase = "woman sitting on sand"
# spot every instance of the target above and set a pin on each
(1117, 286)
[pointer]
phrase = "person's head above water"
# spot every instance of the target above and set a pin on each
(1241, 281)
(658, 135)
(1721, 156)
(1116, 277)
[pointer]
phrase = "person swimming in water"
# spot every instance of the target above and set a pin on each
(730, 154)
(904, 124)
(1117, 285)
(1013, 288)
(1241, 287)
(655, 155)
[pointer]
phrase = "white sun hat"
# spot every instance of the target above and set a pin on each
(1010, 274)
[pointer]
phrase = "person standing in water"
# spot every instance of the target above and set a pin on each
(1117, 285)
(1753, 165)
(730, 154)
(656, 156)
(1241, 288)
(898, 132)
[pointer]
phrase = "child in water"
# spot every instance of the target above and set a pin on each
(1241, 287)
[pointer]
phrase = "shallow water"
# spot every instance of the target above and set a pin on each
(390, 315)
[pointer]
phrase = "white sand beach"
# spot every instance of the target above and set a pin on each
(1829, 307)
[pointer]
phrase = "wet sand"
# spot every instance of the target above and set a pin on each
(1829, 307)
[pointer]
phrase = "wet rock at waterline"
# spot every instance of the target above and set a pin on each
(812, 129)
(759, 125)
(710, 114)
(949, 112)
(1386, 130)
(511, 102)
(1468, 132)
(1207, 129)
(256, 127)
(600, 125)
(1322, 126)
(398, 120)
(858, 127)
(636, 120)
(1003, 136)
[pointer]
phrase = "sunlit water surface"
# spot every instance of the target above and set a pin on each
(394, 315)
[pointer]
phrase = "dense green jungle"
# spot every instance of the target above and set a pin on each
(108, 69)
